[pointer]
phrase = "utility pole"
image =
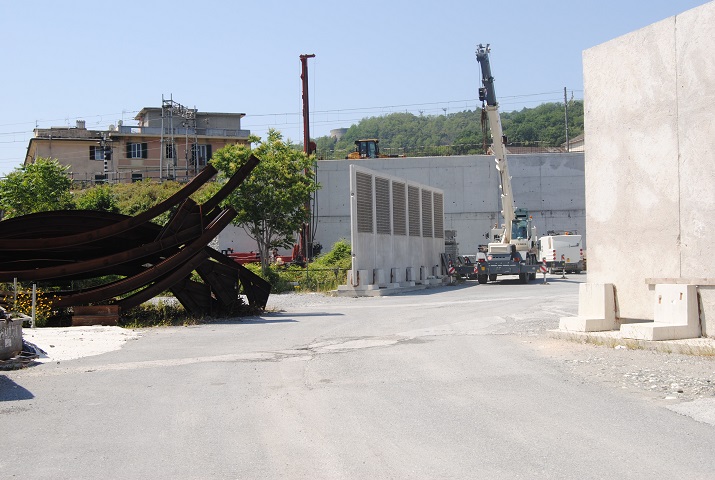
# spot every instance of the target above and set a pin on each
(566, 121)
(106, 152)
(306, 234)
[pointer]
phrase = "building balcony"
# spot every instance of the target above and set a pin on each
(182, 132)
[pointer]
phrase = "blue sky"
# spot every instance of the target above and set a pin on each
(102, 62)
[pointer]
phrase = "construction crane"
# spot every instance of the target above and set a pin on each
(512, 248)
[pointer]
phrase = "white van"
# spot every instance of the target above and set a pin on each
(562, 253)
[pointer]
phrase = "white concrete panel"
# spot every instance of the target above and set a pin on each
(632, 163)
(650, 163)
(695, 44)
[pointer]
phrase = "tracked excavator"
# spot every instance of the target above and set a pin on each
(368, 148)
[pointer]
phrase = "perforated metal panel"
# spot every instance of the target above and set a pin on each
(382, 206)
(426, 213)
(363, 185)
(399, 215)
(413, 209)
(438, 215)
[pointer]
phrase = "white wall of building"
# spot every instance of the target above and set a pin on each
(650, 163)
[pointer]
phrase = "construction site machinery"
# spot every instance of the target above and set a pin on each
(562, 252)
(368, 148)
(512, 248)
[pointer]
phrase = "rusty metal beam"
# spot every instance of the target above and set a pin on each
(77, 244)
(87, 266)
(164, 283)
(256, 289)
(114, 228)
(135, 282)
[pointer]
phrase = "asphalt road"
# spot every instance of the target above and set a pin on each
(453, 382)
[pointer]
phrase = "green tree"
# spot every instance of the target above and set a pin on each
(36, 187)
(461, 132)
(271, 201)
(100, 198)
(137, 197)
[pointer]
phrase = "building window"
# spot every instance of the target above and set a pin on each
(137, 150)
(96, 152)
(170, 150)
(200, 154)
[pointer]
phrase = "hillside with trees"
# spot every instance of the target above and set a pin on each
(457, 133)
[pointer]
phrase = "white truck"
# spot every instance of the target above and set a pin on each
(563, 252)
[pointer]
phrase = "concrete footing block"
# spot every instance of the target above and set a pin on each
(397, 275)
(596, 309)
(361, 280)
(361, 288)
(423, 274)
(379, 277)
(675, 315)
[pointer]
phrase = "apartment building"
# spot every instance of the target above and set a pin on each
(171, 142)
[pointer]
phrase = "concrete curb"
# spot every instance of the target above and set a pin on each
(690, 346)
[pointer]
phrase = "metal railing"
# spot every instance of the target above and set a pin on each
(183, 131)
(438, 151)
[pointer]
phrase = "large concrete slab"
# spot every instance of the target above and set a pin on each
(649, 163)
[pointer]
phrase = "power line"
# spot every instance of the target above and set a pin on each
(291, 120)
(68, 118)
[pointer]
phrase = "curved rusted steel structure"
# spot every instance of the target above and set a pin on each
(60, 246)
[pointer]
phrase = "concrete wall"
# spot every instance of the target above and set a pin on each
(404, 245)
(650, 162)
(551, 186)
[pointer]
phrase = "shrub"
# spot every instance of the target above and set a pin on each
(160, 314)
(325, 273)
(44, 309)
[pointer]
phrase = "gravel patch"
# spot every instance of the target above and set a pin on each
(290, 301)
(668, 377)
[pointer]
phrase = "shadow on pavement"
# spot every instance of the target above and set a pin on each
(11, 391)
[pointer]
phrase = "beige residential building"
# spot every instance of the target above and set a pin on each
(171, 142)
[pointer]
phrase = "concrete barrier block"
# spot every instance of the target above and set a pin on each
(675, 315)
(10, 338)
(361, 280)
(596, 309)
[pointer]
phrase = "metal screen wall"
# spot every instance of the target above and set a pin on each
(396, 224)
(426, 213)
(399, 208)
(438, 215)
(382, 205)
(363, 196)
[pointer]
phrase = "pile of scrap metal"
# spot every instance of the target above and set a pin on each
(61, 246)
